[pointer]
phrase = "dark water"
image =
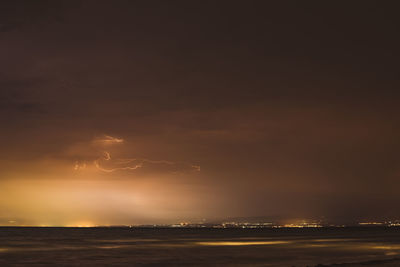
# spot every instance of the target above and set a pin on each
(197, 247)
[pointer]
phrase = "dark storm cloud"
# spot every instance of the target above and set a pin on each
(275, 100)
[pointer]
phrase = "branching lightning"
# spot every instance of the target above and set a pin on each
(127, 164)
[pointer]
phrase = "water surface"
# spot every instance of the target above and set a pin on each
(198, 247)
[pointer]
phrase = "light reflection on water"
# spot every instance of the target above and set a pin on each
(111, 247)
(164, 247)
(390, 253)
(342, 243)
(128, 240)
(335, 240)
(241, 243)
(387, 247)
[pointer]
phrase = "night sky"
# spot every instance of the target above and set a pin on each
(129, 112)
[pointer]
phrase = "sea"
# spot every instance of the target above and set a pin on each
(125, 246)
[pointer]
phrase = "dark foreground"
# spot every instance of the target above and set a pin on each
(199, 247)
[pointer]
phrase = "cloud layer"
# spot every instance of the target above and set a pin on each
(288, 110)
